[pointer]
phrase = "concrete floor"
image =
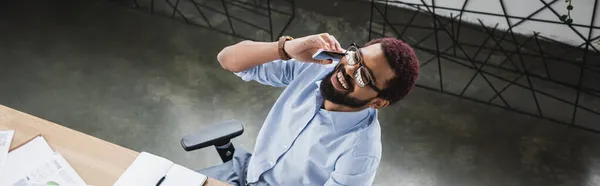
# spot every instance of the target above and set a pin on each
(143, 82)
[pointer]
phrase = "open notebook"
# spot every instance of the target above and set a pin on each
(150, 170)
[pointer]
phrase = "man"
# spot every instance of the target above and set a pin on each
(323, 129)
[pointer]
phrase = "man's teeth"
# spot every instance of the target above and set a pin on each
(341, 80)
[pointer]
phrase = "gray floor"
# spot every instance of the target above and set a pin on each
(143, 81)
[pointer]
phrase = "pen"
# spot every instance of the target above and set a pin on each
(161, 180)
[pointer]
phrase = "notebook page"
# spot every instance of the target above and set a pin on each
(146, 169)
(181, 176)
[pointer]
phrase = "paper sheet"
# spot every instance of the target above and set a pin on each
(5, 140)
(25, 159)
(56, 171)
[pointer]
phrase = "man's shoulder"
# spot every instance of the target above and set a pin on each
(365, 153)
(368, 140)
(365, 140)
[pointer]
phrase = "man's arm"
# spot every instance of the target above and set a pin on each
(248, 54)
(354, 170)
(276, 72)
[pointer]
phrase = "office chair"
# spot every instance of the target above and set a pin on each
(217, 134)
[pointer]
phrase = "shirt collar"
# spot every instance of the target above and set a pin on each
(343, 121)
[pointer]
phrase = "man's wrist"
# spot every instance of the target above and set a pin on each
(282, 46)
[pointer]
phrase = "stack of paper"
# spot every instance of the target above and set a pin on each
(35, 163)
(5, 139)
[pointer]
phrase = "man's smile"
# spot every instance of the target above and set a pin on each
(340, 82)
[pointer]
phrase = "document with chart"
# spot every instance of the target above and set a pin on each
(36, 164)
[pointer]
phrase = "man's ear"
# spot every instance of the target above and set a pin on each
(379, 103)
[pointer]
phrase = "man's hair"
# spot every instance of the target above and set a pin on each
(403, 60)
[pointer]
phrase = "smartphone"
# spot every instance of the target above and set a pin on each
(325, 55)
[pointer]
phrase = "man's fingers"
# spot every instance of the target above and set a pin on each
(317, 41)
(324, 44)
(333, 43)
(325, 62)
(337, 44)
(330, 40)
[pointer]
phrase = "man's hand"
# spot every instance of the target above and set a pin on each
(303, 48)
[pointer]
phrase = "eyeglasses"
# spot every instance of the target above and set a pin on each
(362, 76)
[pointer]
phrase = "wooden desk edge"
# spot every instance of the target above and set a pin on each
(125, 151)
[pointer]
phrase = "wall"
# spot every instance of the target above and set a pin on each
(581, 15)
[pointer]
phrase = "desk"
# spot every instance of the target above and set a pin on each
(97, 161)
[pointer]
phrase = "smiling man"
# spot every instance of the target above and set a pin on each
(323, 129)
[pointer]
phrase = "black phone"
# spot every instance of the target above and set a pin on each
(326, 55)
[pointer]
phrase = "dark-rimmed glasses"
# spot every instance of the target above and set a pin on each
(362, 76)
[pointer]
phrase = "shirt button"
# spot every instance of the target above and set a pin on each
(285, 146)
(271, 163)
(299, 129)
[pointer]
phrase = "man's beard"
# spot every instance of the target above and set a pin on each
(342, 98)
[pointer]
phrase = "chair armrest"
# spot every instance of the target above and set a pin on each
(214, 134)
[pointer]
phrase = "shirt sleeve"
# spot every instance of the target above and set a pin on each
(354, 170)
(276, 73)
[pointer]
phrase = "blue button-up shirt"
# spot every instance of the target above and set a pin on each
(302, 144)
